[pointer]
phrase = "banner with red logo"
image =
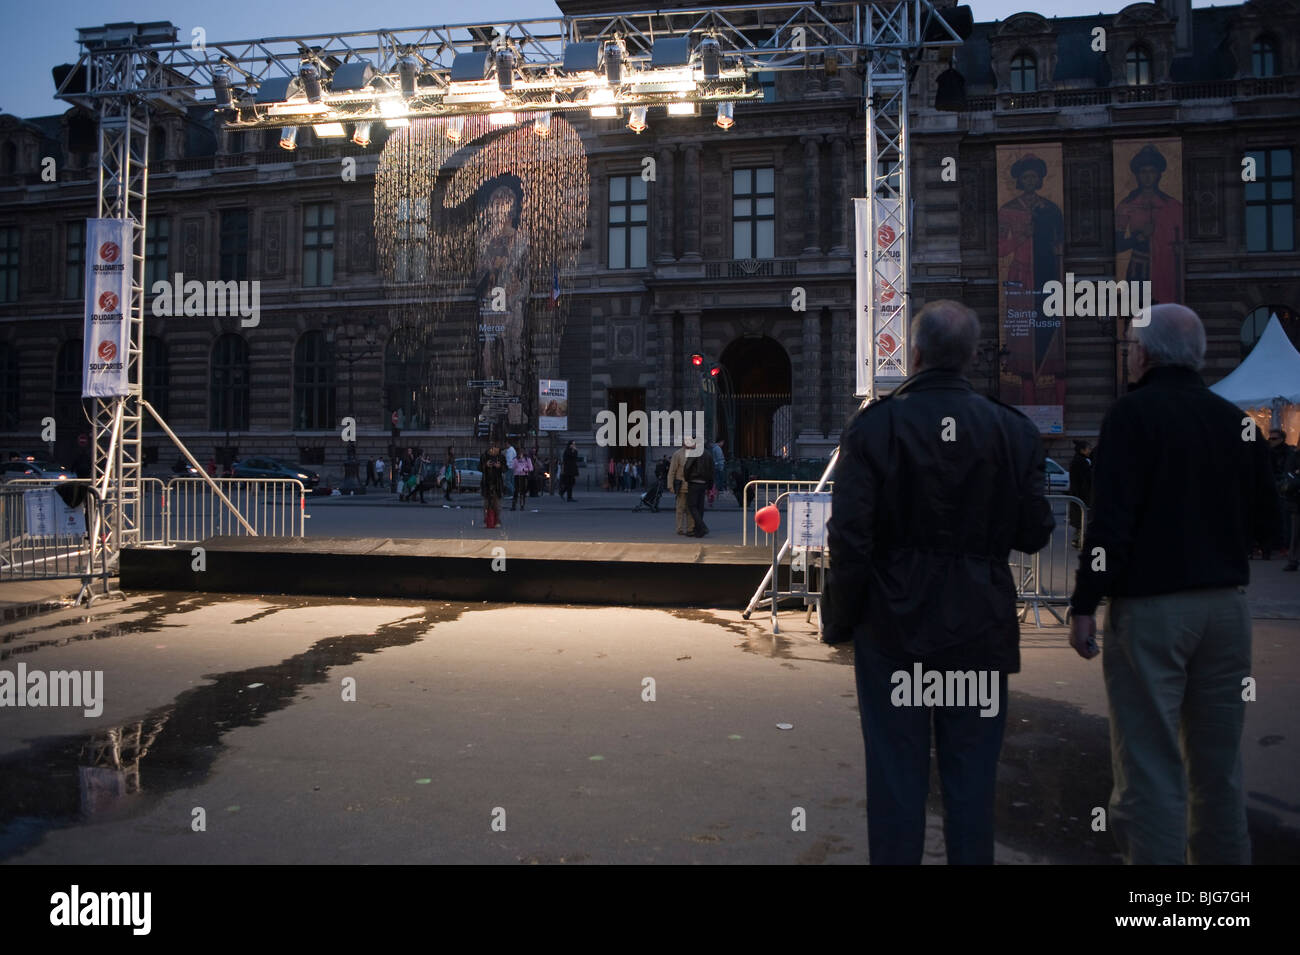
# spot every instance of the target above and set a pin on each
(880, 311)
(108, 297)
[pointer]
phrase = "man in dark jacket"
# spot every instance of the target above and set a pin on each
(569, 470)
(934, 486)
(1080, 485)
(699, 478)
(1182, 488)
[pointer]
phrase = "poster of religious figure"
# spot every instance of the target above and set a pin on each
(1031, 239)
(478, 304)
(1149, 227)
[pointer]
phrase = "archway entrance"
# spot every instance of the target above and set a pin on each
(760, 374)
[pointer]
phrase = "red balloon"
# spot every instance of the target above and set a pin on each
(768, 519)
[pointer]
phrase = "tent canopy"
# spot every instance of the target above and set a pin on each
(1271, 370)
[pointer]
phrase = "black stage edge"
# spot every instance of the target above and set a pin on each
(650, 575)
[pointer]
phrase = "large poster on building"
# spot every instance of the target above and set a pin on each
(1031, 240)
(1149, 227)
(108, 296)
(553, 405)
(883, 312)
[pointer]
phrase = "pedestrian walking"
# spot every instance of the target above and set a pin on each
(1080, 487)
(699, 478)
(719, 471)
(570, 469)
(935, 484)
(510, 455)
(523, 469)
(492, 464)
(379, 471)
(450, 476)
(677, 484)
(1289, 487)
(609, 484)
(1179, 495)
(370, 471)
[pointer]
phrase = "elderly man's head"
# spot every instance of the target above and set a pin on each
(1173, 336)
(944, 336)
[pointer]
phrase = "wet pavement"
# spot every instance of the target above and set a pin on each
(232, 709)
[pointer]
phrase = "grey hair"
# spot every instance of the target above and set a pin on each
(946, 333)
(1173, 336)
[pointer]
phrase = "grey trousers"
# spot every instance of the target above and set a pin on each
(1174, 666)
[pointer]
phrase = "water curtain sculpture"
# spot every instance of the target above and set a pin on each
(473, 235)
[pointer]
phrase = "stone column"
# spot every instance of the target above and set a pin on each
(812, 198)
(807, 391)
(666, 227)
(692, 342)
(841, 377)
(841, 203)
(665, 400)
(691, 206)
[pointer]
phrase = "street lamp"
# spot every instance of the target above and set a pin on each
(353, 352)
(718, 372)
(991, 358)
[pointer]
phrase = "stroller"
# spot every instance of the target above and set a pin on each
(650, 499)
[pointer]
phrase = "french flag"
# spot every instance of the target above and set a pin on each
(555, 286)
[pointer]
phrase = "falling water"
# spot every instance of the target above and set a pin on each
(471, 288)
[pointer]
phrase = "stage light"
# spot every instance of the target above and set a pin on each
(636, 119)
(361, 134)
(329, 130)
(356, 75)
(407, 67)
(668, 52)
(221, 89)
(273, 90)
(455, 128)
(469, 67)
(505, 69)
(542, 124)
(710, 58)
(393, 108)
(289, 138)
(726, 115)
(310, 77)
(683, 109)
(501, 119)
(697, 359)
(613, 63)
(581, 57)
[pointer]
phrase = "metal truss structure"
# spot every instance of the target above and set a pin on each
(613, 60)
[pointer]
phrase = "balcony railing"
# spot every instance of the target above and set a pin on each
(750, 268)
(1153, 93)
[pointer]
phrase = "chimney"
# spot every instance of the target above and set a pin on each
(1181, 11)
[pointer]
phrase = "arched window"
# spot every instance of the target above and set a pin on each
(228, 404)
(1263, 57)
(10, 392)
(313, 384)
(154, 377)
(1024, 73)
(1138, 65)
(407, 388)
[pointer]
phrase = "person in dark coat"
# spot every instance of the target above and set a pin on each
(1080, 485)
(569, 471)
(493, 466)
(699, 478)
(1182, 488)
(935, 485)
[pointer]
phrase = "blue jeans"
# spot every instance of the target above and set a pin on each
(510, 483)
(897, 742)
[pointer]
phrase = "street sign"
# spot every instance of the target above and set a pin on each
(485, 383)
(83, 440)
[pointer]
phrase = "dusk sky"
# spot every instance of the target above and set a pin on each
(38, 37)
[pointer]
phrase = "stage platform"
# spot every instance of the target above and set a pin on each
(691, 573)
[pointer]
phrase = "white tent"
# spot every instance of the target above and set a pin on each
(1271, 371)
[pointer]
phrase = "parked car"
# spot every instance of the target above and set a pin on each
(1058, 478)
(35, 469)
(266, 467)
(468, 474)
(183, 468)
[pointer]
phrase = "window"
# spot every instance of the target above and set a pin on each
(157, 145)
(318, 244)
(1024, 73)
(753, 213)
(154, 376)
(411, 255)
(228, 407)
(627, 222)
(67, 370)
(1138, 65)
(234, 245)
(1263, 58)
(1270, 202)
(10, 392)
(9, 247)
(405, 391)
(157, 247)
(1257, 320)
(75, 261)
(313, 384)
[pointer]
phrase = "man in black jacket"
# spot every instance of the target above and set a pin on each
(1080, 486)
(699, 478)
(934, 486)
(1181, 490)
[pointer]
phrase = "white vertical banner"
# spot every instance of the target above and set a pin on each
(108, 299)
(880, 300)
(862, 276)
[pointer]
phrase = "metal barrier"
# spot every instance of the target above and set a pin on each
(150, 514)
(42, 538)
(193, 511)
(759, 494)
(807, 577)
(1046, 579)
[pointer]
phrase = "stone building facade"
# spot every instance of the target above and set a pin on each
(735, 221)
